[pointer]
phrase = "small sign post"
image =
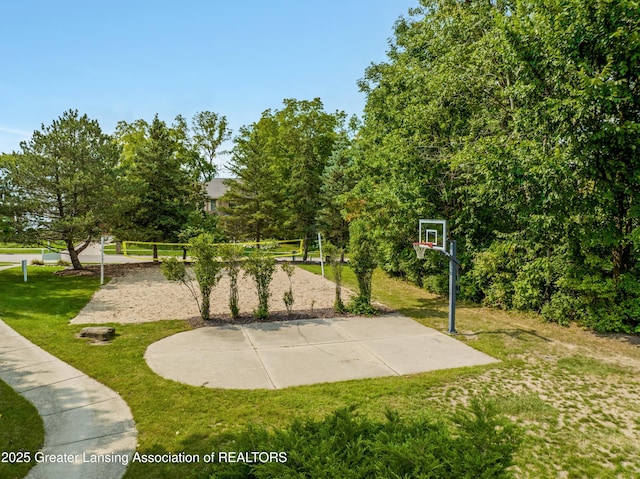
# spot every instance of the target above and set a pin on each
(321, 258)
(101, 260)
(24, 270)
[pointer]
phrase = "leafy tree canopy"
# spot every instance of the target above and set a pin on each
(62, 179)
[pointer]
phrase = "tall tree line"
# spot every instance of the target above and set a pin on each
(72, 182)
(517, 121)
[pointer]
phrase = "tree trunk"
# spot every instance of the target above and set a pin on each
(621, 259)
(73, 255)
(206, 300)
(621, 254)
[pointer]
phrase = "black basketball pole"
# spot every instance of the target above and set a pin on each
(453, 274)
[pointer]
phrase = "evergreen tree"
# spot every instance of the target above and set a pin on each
(306, 136)
(254, 199)
(159, 193)
(63, 180)
(278, 163)
(337, 180)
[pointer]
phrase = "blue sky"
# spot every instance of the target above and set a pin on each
(124, 60)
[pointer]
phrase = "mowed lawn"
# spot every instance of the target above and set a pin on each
(574, 393)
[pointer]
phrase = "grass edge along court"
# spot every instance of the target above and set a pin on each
(574, 393)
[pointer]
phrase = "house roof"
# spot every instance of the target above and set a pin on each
(216, 188)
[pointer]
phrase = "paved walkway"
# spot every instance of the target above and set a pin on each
(281, 354)
(90, 255)
(82, 418)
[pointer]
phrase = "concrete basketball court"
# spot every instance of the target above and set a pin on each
(277, 355)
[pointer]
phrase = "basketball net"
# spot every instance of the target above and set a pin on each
(420, 248)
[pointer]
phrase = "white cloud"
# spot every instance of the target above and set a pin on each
(10, 138)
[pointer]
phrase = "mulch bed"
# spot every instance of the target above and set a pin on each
(110, 270)
(275, 316)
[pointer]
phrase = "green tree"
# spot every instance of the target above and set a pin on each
(210, 131)
(255, 196)
(586, 71)
(278, 163)
(197, 145)
(206, 272)
(158, 193)
(232, 256)
(288, 299)
(64, 179)
(517, 122)
(336, 255)
(306, 135)
(337, 181)
(13, 217)
(429, 108)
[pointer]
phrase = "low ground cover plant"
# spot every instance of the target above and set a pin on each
(477, 443)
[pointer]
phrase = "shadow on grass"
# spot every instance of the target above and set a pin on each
(426, 308)
(516, 333)
(631, 339)
(191, 461)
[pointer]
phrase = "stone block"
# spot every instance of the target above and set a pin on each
(99, 333)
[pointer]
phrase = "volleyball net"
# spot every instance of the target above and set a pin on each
(276, 248)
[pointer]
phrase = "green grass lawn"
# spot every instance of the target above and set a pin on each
(19, 248)
(21, 430)
(574, 392)
(8, 250)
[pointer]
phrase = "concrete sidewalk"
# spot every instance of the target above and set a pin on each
(83, 419)
(291, 353)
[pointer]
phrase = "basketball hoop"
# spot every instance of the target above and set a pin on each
(421, 247)
(432, 234)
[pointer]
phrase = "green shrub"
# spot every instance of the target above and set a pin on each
(289, 269)
(206, 270)
(232, 257)
(562, 309)
(476, 443)
(362, 259)
(260, 267)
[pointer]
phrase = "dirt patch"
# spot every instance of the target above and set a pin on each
(139, 293)
(110, 270)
